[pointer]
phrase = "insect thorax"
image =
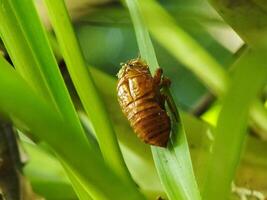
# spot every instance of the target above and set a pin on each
(133, 67)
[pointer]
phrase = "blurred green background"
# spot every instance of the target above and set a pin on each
(107, 38)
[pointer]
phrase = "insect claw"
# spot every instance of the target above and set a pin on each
(157, 77)
(165, 82)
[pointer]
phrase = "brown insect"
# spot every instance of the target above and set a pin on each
(142, 102)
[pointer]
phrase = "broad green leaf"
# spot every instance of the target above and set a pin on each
(230, 133)
(174, 163)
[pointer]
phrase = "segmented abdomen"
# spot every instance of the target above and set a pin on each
(140, 103)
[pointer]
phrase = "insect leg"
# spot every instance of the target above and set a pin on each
(165, 93)
(165, 82)
(157, 77)
(162, 100)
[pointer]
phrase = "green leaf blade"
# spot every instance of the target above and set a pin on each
(19, 50)
(174, 162)
(175, 158)
(187, 51)
(45, 63)
(86, 90)
(33, 113)
(232, 122)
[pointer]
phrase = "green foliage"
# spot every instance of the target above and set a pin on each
(86, 88)
(173, 164)
(80, 158)
(27, 17)
(26, 115)
(46, 174)
(231, 131)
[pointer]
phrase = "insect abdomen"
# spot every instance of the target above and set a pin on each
(152, 125)
(149, 121)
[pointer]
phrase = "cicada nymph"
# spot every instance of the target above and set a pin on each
(142, 102)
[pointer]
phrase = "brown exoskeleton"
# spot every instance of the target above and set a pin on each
(142, 102)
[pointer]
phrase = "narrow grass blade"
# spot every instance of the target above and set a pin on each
(175, 169)
(31, 32)
(174, 163)
(86, 88)
(250, 76)
(80, 188)
(33, 114)
(19, 50)
(183, 47)
(199, 136)
(187, 51)
(32, 56)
